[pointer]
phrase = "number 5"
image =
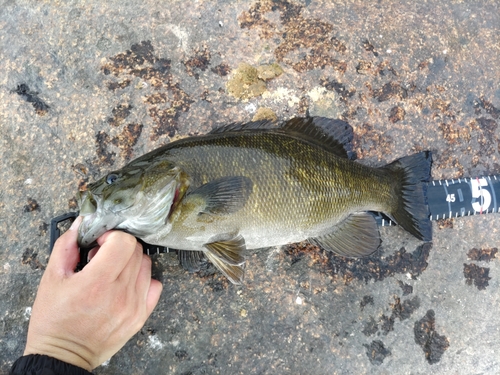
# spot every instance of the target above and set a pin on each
(478, 192)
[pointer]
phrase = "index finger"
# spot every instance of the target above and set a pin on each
(64, 257)
(116, 249)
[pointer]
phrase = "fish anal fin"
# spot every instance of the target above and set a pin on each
(191, 260)
(225, 195)
(228, 256)
(356, 236)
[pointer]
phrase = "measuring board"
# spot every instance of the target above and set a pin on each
(458, 197)
(446, 199)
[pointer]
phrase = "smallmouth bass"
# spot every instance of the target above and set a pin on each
(258, 185)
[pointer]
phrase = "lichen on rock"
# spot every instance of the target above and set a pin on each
(248, 81)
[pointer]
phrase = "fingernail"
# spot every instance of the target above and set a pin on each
(76, 223)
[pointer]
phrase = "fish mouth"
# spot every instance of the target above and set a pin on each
(88, 211)
(94, 223)
(89, 231)
(93, 226)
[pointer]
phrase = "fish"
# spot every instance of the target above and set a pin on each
(256, 185)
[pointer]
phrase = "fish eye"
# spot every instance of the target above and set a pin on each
(112, 177)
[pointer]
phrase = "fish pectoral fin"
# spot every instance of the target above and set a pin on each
(191, 260)
(356, 236)
(228, 257)
(225, 195)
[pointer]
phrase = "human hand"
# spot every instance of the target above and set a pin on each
(84, 318)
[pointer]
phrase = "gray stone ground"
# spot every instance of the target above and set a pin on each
(84, 88)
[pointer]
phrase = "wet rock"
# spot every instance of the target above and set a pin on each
(482, 255)
(32, 97)
(479, 276)
(433, 344)
(377, 352)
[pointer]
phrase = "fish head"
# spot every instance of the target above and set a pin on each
(136, 199)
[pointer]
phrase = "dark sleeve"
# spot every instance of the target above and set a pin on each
(35, 364)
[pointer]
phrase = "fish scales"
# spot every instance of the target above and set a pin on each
(298, 188)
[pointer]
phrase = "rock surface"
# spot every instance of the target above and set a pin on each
(85, 88)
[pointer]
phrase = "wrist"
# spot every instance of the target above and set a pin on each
(65, 352)
(37, 364)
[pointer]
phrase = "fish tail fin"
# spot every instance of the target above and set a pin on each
(411, 209)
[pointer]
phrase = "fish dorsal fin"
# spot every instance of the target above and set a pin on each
(248, 126)
(333, 135)
(356, 236)
(225, 195)
(228, 257)
(191, 260)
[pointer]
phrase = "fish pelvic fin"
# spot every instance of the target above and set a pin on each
(411, 210)
(356, 236)
(227, 256)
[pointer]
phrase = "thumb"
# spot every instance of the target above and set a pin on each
(154, 294)
(66, 255)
